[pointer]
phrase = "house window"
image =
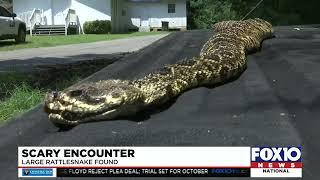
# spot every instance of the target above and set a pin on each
(171, 8)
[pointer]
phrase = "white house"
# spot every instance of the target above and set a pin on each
(144, 15)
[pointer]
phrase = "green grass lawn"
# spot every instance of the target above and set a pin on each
(21, 99)
(47, 41)
(18, 96)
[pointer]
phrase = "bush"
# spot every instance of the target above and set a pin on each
(97, 27)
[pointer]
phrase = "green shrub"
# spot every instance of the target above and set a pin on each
(97, 27)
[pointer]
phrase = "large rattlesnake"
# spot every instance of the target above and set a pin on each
(222, 57)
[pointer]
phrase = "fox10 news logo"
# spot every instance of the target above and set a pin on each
(276, 162)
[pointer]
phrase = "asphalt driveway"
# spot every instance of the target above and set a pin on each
(275, 102)
(27, 60)
(102, 47)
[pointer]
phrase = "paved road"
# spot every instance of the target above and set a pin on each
(102, 47)
(26, 60)
(275, 102)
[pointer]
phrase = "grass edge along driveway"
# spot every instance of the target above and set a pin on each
(17, 95)
(50, 41)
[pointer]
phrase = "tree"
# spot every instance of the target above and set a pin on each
(204, 13)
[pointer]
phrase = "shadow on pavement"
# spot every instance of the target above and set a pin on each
(33, 64)
(51, 73)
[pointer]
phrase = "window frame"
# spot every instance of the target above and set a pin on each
(171, 8)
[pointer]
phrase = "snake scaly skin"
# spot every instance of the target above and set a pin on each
(222, 58)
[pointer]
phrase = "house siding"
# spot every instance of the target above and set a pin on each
(125, 14)
(90, 10)
(153, 13)
(59, 8)
(54, 11)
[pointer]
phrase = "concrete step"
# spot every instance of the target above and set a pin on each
(53, 30)
(49, 30)
(51, 26)
(46, 30)
(47, 34)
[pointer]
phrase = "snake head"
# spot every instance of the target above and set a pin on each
(92, 101)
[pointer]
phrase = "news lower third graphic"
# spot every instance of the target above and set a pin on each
(159, 162)
(276, 162)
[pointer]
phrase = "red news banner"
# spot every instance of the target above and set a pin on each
(276, 165)
(144, 162)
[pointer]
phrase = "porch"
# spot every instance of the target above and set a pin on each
(53, 17)
(66, 23)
